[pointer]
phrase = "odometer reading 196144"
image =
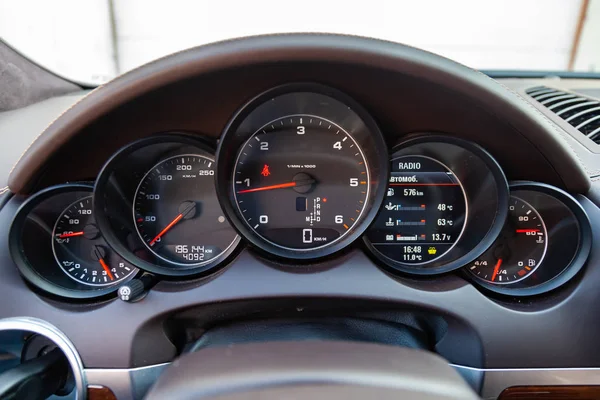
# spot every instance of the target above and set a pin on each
(423, 214)
(301, 182)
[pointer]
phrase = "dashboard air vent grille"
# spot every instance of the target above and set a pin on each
(581, 112)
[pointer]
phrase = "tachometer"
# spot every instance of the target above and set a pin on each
(308, 166)
(301, 182)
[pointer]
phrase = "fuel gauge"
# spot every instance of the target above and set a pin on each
(518, 251)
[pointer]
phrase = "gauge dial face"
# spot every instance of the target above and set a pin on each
(518, 251)
(177, 214)
(301, 182)
(423, 214)
(80, 250)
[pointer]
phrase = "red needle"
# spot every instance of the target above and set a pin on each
(171, 224)
(527, 230)
(496, 269)
(66, 235)
(105, 266)
(271, 187)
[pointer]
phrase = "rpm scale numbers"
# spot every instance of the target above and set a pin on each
(301, 182)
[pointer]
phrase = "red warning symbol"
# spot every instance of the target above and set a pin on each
(265, 171)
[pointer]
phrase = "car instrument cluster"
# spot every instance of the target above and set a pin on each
(301, 172)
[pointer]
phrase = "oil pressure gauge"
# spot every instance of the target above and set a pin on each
(519, 250)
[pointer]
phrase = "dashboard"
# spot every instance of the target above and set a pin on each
(308, 185)
(301, 172)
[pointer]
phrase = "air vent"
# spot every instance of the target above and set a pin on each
(581, 112)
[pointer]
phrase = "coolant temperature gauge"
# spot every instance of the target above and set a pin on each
(518, 251)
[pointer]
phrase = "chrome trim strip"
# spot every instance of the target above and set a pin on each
(549, 95)
(570, 101)
(584, 112)
(576, 106)
(587, 121)
(48, 330)
(541, 91)
(563, 97)
(593, 133)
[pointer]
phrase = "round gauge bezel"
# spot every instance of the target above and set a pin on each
(568, 272)
(274, 104)
(486, 215)
(29, 272)
(160, 266)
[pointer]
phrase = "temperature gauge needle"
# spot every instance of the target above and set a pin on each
(106, 268)
(496, 269)
(71, 234)
(167, 228)
(527, 230)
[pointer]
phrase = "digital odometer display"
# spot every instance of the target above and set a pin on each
(423, 214)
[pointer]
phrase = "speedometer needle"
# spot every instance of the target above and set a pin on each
(279, 186)
(167, 228)
(496, 269)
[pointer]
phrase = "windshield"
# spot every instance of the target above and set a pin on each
(93, 41)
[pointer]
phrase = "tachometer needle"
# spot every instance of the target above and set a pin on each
(171, 224)
(527, 230)
(496, 269)
(70, 234)
(279, 186)
(105, 267)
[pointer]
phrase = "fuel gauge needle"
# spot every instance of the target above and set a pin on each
(496, 269)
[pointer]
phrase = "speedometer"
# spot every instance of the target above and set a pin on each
(176, 213)
(308, 166)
